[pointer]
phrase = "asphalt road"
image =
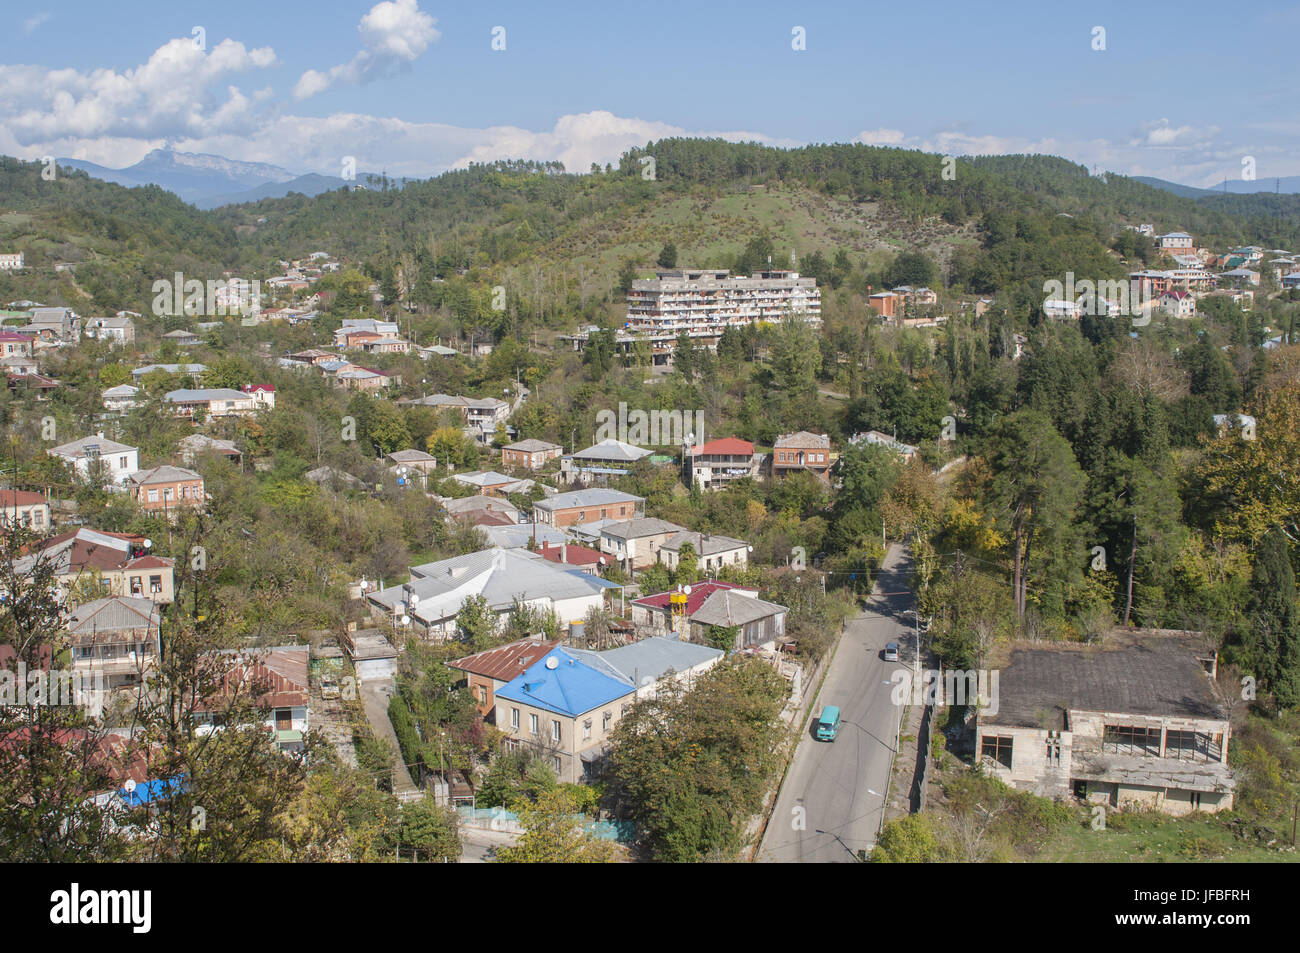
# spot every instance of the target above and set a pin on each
(840, 785)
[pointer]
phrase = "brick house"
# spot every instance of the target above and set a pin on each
(491, 670)
(793, 452)
(530, 454)
(586, 506)
(165, 488)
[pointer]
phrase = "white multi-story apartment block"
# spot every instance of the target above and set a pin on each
(11, 262)
(704, 302)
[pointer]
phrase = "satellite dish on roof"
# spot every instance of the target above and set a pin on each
(148, 544)
(129, 786)
(406, 620)
(552, 663)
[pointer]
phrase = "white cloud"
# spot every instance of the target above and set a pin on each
(170, 95)
(32, 22)
(393, 33)
(880, 137)
(1161, 133)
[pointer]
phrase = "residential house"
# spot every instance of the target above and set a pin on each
(1135, 722)
(583, 506)
(13, 344)
(1178, 304)
(599, 462)
(182, 338)
(481, 414)
(198, 444)
(121, 398)
(635, 543)
(904, 450)
(757, 622)
(651, 664)
(56, 325)
(263, 395)
(114, 461)
(115, 638)
(563, 710)
(117, 330)
(12, 261)
(121, 562)
(191, 370)
(590, 561)
(670, 612)
(718, 463)
(212, 401)
(506, 534)
(885, 303)
(504, 577)
(26, 509)
(19, 365)
(712, 551)
(1175, 243)
(529, 454)
(166, 489)
(494, 669)
(466, 507)
(333, 478)
(276, 678)
(411, 467)
(491, 483)
(794, 452)
(364, 378)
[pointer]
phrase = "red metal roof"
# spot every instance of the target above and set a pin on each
(10, 498)
(506, 662)
(730, 446)
(573, 555)
(699, 592)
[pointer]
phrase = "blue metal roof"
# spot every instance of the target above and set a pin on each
(150, 791)
(571, 688)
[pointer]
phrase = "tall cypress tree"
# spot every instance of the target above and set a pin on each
(1275, 645)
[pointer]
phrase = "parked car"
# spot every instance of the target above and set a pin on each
(891, 651)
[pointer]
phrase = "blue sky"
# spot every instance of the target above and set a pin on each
(413, 87)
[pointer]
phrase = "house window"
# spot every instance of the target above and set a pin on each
(1130, 739)
(482, 693)
(153, 496)
(555, 763)
(1195, 798)
(514, 718)
(604, 724)
(1186, 745)
(555, 730)
(532, 723)
(586, 730)
(155, 583)
(1054, 751)
(137, 586)
(997, 747)
(121, 463)
(604, 514)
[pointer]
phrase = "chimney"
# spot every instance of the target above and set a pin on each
(564, 551)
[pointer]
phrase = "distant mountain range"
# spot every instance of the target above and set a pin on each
(1287, 185)
(209, 181)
